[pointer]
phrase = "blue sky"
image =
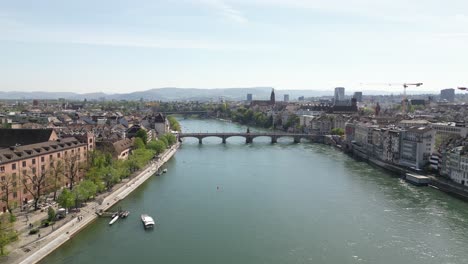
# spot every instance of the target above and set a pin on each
(122, 46)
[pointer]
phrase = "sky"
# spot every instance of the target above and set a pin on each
(117, 46)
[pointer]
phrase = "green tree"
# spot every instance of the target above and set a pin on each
(50, 214)
(141, 133)
(65, 199)
(171, 139)
(138, 143)
(83, 191)
(7, 233)
(174, 123)
(157, 146)
(337, 131)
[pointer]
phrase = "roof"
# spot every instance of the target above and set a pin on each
(12, 137)
(28, 151)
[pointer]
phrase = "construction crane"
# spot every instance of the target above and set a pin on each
(405, 85)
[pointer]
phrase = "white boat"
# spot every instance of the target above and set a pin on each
(114, 219)
(165, 170)
(147, 220)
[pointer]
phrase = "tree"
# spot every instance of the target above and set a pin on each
(141, 133)
(138, 143)
(56, 169)
(174, 123)
(171, 139)
(84, 191)
(157, 146)
(66, 199)
(50, 214)
(37, 184)
(72, 168)
(7, 233)
(6, 185)
(337, 131)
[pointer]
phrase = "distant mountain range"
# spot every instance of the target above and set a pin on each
(179, 94)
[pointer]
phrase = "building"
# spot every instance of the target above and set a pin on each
(265, 103)
(447, 94)
(249, 97)
(119, 149)
(455, 165)
(450, 129)
(286, 97)
(358, 96)
(417, 145)
(339, 94)
(24, 166)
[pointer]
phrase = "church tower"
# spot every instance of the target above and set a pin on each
(272, 96)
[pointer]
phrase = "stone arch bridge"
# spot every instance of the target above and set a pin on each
(249, 137)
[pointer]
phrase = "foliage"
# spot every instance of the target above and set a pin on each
(34, 231)
(141, 133)
(174, 124)
(249, 117)
(337, 131)
(7, 233)
(66, 199)
(138, 143)
(171, 139)
(50, 214)
(292, 122)
(83, 191)
(158, 146)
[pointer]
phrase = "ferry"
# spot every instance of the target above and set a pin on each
(147, 220)
(417, 180)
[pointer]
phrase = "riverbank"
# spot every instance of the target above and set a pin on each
(35, 251)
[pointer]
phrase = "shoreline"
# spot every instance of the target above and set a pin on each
(61, 235)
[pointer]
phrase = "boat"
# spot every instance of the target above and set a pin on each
(147, 220)
(114, 219)
(417, 180)
(165, 170)
(123, 214)
(158, 173)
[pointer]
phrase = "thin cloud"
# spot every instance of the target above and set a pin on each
(226, 10)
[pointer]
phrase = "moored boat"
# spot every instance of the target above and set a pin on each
(165, 170)
(114, 219)
(147, 220)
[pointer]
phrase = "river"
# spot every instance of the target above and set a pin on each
(274, 203)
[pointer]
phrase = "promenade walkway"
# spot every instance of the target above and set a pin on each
(32, 248)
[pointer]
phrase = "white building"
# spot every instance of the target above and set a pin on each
(417, 145)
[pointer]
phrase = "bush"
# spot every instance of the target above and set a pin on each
(51, 214)
(34, 231)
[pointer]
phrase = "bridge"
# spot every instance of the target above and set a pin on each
(249, 137)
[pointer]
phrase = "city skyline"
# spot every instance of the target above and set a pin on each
(310, 45)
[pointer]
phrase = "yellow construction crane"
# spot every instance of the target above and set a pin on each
(405, 85)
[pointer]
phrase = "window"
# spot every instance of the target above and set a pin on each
(43, 168)
(3, 178)
(24, 172)
(13, 176)
(42, 159)
(33, 161)
(24, 164)
(14, 184)
(73, 151)
(58, 155)
(50, 157)
(2, 169)
(15, 194)
(13, 166)
(25, 191)
(34, 170)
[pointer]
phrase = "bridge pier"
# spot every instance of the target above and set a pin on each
(274, 139)
(248, 139)
(200, 140)
(224, 140)
(297, 139)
